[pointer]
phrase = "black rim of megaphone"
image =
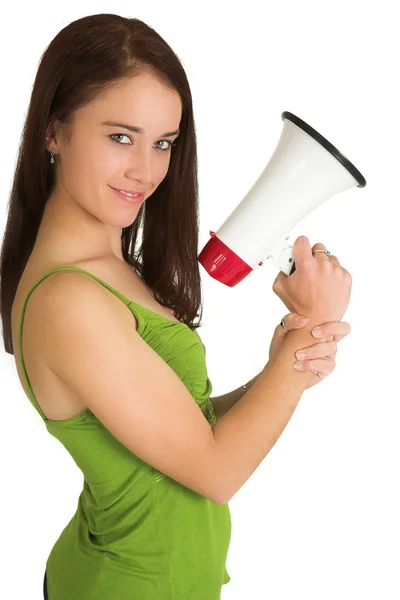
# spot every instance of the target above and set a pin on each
(327, 145)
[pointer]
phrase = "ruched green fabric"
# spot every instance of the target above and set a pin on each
(136, 533)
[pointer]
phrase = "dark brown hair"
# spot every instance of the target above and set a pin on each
(81, 62)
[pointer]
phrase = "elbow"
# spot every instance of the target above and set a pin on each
(220, 496)
(222, 500)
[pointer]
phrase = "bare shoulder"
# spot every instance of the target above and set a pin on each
(98, 353)
(72, 287)
(69, 302)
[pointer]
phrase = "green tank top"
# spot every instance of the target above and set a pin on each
(137, 534)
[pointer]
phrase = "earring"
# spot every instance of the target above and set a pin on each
(52, 157)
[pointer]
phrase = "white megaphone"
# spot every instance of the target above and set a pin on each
(304, 171)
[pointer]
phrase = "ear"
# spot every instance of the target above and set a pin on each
(54, 133)
(50, 137)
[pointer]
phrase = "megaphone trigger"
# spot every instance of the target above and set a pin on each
(286, 260)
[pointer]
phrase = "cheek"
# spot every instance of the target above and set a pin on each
(107, 160)
(161, 170)
(86, 165)
(76, 173)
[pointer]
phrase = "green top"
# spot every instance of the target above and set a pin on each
(136, 533)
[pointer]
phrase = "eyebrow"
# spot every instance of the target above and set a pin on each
(135, 129)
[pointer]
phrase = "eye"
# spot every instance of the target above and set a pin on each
(170, 144)
(168, 147)
(118, 134)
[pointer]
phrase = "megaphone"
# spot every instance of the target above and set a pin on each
(304, 171)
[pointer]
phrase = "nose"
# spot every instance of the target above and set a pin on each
(140, 165)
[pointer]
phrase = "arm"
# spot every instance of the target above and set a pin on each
(249, 430)
(222, 404)
(331, 332)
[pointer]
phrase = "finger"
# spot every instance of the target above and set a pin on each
(331, 338)
(334, 260)
(320, 255)
(320, 350)
(337, 338)
(302, 254)
(279, 283)
(295, 321)
(323, 367)
(338, 329)
(279, 332)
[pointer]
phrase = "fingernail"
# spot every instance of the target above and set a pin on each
(298, 366)
(300, 355)
(302, 319)
(316, 332)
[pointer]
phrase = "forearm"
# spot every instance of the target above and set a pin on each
(249, 430)
(222, 404)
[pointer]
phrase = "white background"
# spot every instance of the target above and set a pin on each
(319, 518)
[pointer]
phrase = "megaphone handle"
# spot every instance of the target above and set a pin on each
(285, 260)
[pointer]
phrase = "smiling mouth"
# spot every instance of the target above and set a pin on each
(127, 198)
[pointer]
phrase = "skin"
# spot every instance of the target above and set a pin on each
(83, 216)
(319, 356)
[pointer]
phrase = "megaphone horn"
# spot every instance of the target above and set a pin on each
(304, 171)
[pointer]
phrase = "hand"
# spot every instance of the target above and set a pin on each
(320, 357)
(320, 287)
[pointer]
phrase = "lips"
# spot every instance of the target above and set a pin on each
(129, 199)
(129, 191)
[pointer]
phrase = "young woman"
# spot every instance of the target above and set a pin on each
(110, 355)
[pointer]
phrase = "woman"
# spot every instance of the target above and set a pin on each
(110, 356)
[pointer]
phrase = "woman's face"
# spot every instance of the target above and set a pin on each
(97, 157)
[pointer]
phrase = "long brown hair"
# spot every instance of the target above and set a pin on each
(84, 58)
